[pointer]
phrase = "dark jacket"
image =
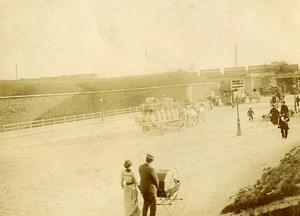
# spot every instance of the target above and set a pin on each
(149, 180)
(283, 122)
(284, 109)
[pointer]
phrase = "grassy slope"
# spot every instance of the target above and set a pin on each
(276, 185)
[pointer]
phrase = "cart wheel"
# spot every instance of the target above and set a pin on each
(171, 206)
(160, 206)
(145, 129)
(162, 128)
(180, 125)
(181, 199)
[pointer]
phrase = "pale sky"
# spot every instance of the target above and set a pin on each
(132, 37)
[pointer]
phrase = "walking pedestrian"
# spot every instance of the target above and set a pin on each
(283, 125)
(250, 114)
(297, 100)
(148, 186)
(274, 115)
(129, 186)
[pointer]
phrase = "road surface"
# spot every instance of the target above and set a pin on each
(74, 169)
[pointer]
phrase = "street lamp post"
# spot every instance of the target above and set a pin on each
(239, 131)
(294, 91)
(101, 101)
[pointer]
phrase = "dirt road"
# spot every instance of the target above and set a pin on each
(74, 169)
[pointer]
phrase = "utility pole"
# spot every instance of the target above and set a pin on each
(235, 53)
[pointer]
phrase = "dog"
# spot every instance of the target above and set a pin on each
(266, 117)
(292, 112)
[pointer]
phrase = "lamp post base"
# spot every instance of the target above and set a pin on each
(239, 131)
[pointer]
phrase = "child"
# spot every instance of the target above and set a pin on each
(250, 114)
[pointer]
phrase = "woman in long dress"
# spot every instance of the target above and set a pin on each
(274, 115)
(129, 185)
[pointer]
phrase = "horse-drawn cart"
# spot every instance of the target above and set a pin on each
(168, 193)
(162, 126)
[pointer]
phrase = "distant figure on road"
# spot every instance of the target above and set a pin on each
(148, 186)
(283, 125)
(297, 100)
(274, 115)
(250, 114)
(284, 109)
(129, 186)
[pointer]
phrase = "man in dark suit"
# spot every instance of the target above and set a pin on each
(148, 186)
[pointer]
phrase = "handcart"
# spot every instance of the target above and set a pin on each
(162, 126)
(169, 196)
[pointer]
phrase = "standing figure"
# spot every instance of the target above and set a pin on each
(250, 114)
(274, 115)
(284, 109)
(297, 100)
(148, 186)
(129, 186)
(283, 125)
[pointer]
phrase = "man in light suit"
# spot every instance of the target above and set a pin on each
(148, 186)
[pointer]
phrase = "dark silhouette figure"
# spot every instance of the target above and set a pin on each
(148, 186)
(274, 115)
(284, 109)
(250, 114)
(283, 125)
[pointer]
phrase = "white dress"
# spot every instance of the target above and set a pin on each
(128, 183)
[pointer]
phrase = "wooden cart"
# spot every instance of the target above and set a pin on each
(162, 126)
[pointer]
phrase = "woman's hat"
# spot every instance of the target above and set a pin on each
(127, 163)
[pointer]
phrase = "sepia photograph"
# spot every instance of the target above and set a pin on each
(149, 108)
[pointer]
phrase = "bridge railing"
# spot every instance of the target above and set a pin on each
(67, 119)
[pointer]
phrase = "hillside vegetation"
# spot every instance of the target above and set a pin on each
(275, 186)
(83, 83)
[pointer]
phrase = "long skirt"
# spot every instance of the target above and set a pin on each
(274, 119)
(131, 201)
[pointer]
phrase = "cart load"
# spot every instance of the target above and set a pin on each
(159, 113)
(157, 109)
(168, 182)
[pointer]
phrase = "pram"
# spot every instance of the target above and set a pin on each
(169, 196)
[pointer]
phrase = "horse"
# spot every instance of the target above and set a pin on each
(201, 112)
(189, 115)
